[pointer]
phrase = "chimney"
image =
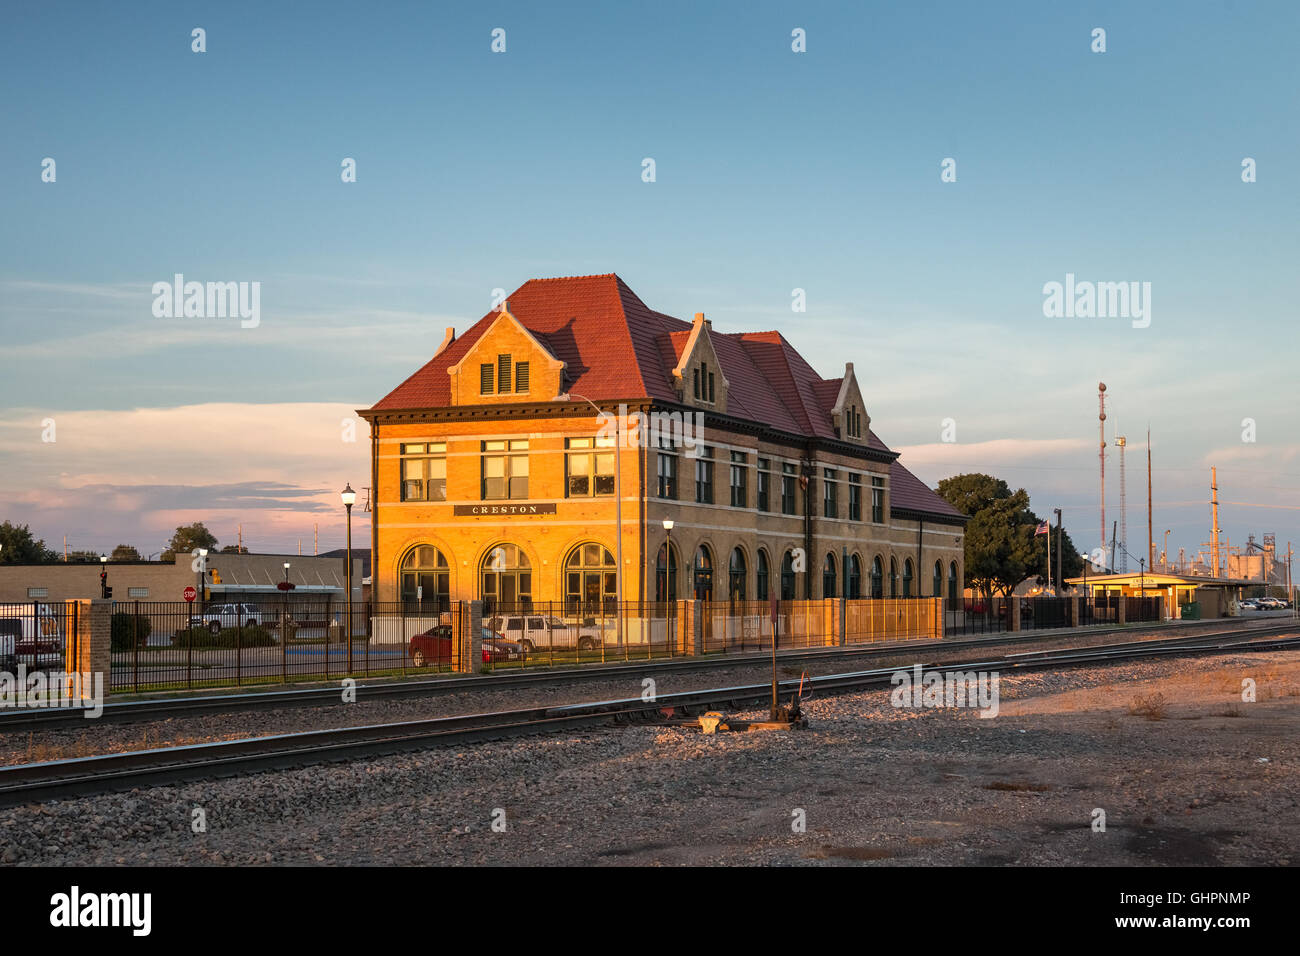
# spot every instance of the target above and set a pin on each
(447, 339)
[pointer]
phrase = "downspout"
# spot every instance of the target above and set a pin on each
(374, 510)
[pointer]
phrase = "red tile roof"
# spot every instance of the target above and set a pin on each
(616, 347)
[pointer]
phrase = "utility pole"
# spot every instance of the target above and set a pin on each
(1214, 521)
(1121, 560)
(315, 537)
(1101, 455)
(1151, 541)
(1060, 549)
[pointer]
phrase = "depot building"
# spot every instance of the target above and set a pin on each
(575, 446)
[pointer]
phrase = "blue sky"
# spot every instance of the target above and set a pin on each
(775, 171)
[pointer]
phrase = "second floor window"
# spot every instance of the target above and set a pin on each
(878, 500)
(830, 500)
(739, 496)
(764, 486)
(855, 497)
(667, 465)
(704, 477)
(505, 469)
(424, 471)
(589, 467)
(789, 481)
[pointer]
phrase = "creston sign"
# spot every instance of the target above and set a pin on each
(509, 511)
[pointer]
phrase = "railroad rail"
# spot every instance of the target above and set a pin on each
(79, 776)
(135, 711)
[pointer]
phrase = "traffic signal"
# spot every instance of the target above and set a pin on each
(104, 590)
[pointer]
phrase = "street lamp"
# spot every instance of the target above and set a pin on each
(349, 499)
(618, 502)
(1165, 560)
(103, 576)
(668, 560)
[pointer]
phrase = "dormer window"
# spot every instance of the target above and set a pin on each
(852, 423)
(704, 384)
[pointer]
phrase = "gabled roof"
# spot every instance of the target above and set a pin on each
(616, 347)
(909, 493)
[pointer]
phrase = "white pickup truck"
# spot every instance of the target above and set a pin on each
(545, 632)
(31, 637)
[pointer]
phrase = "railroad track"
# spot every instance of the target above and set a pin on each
(28, 783)
(39, 719)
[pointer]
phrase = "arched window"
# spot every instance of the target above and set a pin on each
(952, 581)
(426, 578)
(853, 581)
(703, 573)
(762, 586)
(893, 578)
(787, 577)
(590, 580)
(736, 576)
(938, 579)
(828, 577)
(907, 578)
(507, 578)
(877, 577)
(666, 574)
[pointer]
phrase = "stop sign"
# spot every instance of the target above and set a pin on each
(190, 594)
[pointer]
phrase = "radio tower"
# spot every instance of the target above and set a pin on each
(1121, 559)
(1101, 455)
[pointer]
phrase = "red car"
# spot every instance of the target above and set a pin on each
(434, 647)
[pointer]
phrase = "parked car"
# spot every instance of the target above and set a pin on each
(217, 616)
(1271, 603)
(1248, 604)
(434, 647)
(31, 637)
(535, 631)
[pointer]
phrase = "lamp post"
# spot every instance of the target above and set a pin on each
(1165, 557)
(668, 560)
(668, 582)
(349, 499)
(618, 503)
(103, 576)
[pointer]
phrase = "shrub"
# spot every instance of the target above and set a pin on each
(252, 636)
(121, 630)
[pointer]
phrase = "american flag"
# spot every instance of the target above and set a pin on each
(1041, 529)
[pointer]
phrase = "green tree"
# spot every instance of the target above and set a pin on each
(83, 557)
(124, 552)
(189, 537)
(1001, 547)
(19, 546)
(233, 549)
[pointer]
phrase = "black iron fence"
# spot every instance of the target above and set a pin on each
(977, 615)
(164, 645)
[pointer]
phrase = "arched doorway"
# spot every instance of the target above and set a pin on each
(893, 577)
(666, 574)
(425, 578)
(938, 578)
(952, 581)
(736, 574)
(762, 581)
(828, 577)
(907, 578)
(590, 580)
(854, 579)
(703, 573)
(787, 577)
(507, 579)
(877, 578)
